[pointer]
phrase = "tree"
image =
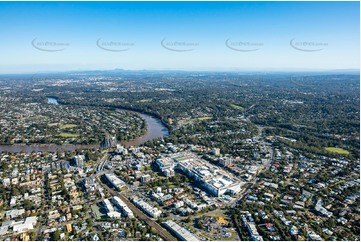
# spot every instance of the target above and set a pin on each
(160, 220)
(89, 223)
(153, 230)
(85, 209)
(33, 236)
(199, 223)
(28, 205)
(56, 235)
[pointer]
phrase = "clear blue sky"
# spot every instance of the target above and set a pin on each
(266, 26)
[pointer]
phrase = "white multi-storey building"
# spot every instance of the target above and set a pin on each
(213, 179)
(152, 211)
(124, 208)
(166, 165)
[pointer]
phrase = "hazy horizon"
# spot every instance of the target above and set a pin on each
(325, 71)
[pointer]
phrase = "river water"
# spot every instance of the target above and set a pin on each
(155, 130)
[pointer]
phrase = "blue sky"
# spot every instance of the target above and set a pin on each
(262, 35)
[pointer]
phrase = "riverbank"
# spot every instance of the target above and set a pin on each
(155, 129)
(155, 123)
(125, 108)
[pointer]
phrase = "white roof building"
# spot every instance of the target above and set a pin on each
(165, 163)
(114, 214)
(108, 206)
(28, 224)
(152, 211)
(180, 232)
(215, 180)
(125, 209)
(115, 181)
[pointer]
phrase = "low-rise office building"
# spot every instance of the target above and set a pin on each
(115, 181)
(179, 231)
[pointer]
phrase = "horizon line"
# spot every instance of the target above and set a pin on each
(188, 70)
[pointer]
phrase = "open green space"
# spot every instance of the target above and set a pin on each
(99, 212)
(123, 189)
(236, 106)
(68, 135)
(204, 118)
(37, 117)
(68, 126)
(339, 151)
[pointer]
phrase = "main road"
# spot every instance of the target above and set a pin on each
(264, 166)
(102, 161)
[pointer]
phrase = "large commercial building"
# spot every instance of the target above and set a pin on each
(166, 165)
(183, 157)
(115, 181)
(179, 231)
(210, 177)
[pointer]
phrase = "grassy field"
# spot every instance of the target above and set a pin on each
(204, 118)
(36, 117)
(53, 124)
(68, 135)
(97, 210)
(68, 126)
(236, 107)
(339, 151)
(123, 189)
